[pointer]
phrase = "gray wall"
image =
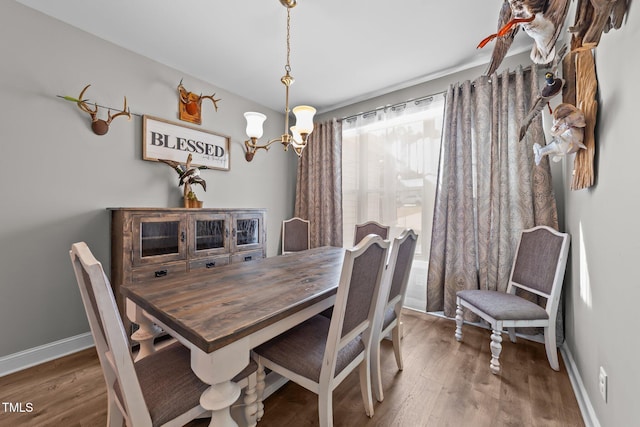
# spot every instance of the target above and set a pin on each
(58, 178)
(604, 288)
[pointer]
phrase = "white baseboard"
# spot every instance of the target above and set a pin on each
(586, 408)
(44, 353)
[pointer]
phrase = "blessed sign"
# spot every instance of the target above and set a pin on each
(162, 139)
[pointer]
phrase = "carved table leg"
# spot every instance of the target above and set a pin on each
(496, 348)
(217, 399)
(147, 332)
(260, 392)
(459, 322)
(251, 401)
(217, 369)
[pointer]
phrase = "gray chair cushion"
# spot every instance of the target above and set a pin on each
(503, 306)
(301, 349)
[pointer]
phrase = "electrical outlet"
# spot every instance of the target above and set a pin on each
(602, 383)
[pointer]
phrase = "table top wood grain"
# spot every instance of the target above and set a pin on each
(218, 307)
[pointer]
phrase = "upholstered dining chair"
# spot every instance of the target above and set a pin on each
(370, 227)
(538, 268)
(295, 235)
(319, 353)
(394, 289)
(158, 390)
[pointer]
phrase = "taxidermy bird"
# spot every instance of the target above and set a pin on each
(188, 175)
(552, 88)
(542, 20)
(568, 131)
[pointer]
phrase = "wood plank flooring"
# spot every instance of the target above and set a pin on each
(444, 383)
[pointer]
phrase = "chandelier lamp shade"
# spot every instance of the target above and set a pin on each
(297, 139)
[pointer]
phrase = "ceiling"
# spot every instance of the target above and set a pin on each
(342, 51)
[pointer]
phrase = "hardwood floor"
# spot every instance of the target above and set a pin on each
(444, 383)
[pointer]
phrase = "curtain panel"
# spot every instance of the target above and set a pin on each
(489, 188)
(319, 184)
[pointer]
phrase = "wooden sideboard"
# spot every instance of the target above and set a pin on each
(149, 244)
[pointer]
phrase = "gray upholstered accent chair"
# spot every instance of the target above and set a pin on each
(394, 289)
(295, 235)
(158, 390)
(538, 268)
(370, 227)
(319, 353)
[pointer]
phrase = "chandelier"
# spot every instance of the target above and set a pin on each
(303, 113)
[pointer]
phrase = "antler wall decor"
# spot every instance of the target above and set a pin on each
(190, 105)
(99, 126)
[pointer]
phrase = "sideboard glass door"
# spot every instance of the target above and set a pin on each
(248, 230)
(158, 239)
(210, 235)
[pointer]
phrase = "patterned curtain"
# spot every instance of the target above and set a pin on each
(489, 188)
(319, 184)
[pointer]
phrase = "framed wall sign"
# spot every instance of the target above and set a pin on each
(162, 139)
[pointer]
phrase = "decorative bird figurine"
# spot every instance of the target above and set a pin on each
(542, 20)
(568, 131)
(552, 88)
(188, 175)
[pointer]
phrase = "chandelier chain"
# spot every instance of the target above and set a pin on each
(288, 66)
(297, 139)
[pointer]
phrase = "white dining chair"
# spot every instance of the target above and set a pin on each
(538, 269)
(394, 289)
(157, 390)
(319, 353)
(295, 235)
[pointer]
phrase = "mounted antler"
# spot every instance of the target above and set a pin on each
(100, 126)
(215, 101)
(189, 105)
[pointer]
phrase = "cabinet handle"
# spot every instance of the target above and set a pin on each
(233, 231)
(248, 258)
(226, 232)
(161, 273)
(211, 264)
(182, 236)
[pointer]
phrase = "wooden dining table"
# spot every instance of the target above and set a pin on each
(223, 314)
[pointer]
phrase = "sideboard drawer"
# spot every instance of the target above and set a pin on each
(207, 263)
(156, 272)
(246, 256)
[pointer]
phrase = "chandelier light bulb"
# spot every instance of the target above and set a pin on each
(304, 118)
(254, 124)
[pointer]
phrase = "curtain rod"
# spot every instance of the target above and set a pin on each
(510, 73)
(422, 98)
